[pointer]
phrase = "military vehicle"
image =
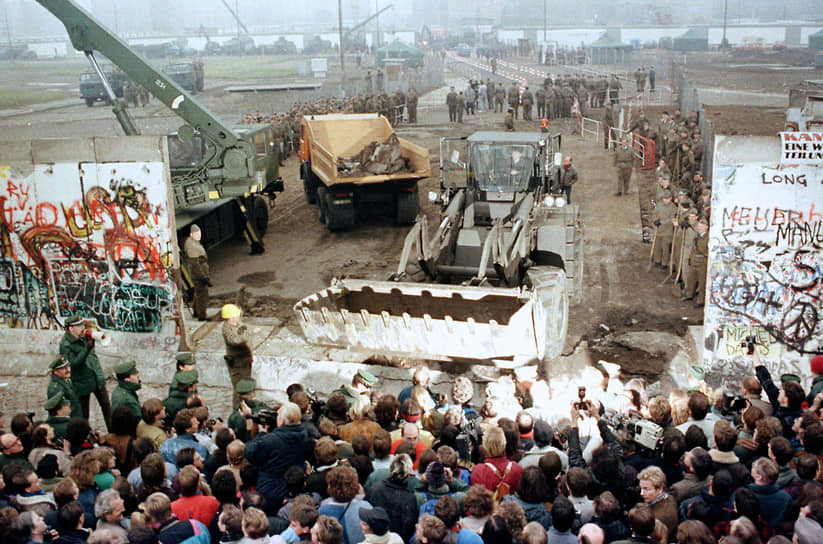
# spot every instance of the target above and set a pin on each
(188, 75)
(219, 173)
(92, 90)
(346, 166)
(239, 45)
(492, 284)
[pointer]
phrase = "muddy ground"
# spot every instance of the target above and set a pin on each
(302, 256)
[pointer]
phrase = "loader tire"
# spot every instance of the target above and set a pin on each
(407, 208)
(90, 102)
(321, 198)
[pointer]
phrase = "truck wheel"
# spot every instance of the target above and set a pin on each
(260, 215)
(408, 206)
(320, 198)
(90, 102)
(338, 217)
(310, 187)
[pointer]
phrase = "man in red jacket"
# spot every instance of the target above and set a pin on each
(192, 504)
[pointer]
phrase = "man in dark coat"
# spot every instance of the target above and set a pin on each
(394, 495)
(275, 451)
(77, 346)
(61, 383)
(128, 383)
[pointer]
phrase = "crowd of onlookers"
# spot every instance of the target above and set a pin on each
(695, 467)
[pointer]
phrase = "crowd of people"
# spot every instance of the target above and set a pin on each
(364, 465)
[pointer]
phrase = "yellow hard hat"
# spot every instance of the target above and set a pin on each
(231, 310)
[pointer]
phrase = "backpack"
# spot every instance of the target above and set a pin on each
(502, 488)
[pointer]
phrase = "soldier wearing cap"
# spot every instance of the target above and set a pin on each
(664, 214)
(176, 401)
(247, 403)
(128, 383)
(698, 264)
(185, 361)
(689, 233)
(61, 383)
(77, 346)
(198, 261)
(361, 384)
(59, 409)
(237, 337)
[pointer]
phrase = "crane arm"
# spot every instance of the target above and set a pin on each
(365, 21)
(230, 159)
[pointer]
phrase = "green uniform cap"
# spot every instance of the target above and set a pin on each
(59, 363)
(245, 386)
(697, 372)
(187, 377)
(367, 377)
(666, 194)
(692, 211)
(790, 378)
(704, 221)
(185, 358)
(54, 402)
(125, 369)
(75, 319)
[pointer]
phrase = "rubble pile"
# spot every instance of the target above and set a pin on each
(374, 159)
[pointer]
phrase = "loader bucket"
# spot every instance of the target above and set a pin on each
(442, 322)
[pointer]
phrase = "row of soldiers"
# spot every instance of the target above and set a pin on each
(551, 101)
(287, 124)
(134, 94)
(678, 141)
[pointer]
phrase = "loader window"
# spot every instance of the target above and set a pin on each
(502, 168)
(185, 154)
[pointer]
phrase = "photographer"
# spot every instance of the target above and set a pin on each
(606, 469)
(786, 401)
(275, 450)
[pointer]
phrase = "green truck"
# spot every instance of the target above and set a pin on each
(188, 75)
(92, 90)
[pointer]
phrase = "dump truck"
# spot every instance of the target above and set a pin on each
(353, 164)
(220, 173)
(491, 285)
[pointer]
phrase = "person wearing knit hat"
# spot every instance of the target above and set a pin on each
(198, 266)
(238, 340)
(61, 383)
(87, 379)
(816, 365)
(128, 384)
(375, 523)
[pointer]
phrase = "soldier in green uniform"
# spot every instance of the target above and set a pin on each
(128, 383)
(77, 346)
(664, 213)
(528, 101)
(176, 401)
(185, 361)
(237, 421)
(61, 383)
(624, 161)
(698, 263)
(508, 122)
(514, 98)
(198, 262)
(499, 98)
(411, 106)
(361, 384)
(540, 100)
(59, 409)
(237, 338)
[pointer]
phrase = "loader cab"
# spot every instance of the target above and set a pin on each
(502, 169)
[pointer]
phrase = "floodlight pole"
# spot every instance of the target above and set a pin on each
(724, 43)
(340, 29)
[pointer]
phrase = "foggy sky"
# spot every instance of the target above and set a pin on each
(131, 18)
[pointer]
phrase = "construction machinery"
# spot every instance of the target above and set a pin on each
(805, 112)
(491, 284)
(352, 164)
(219, 173)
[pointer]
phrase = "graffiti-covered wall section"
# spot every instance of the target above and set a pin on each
(765, 261)
(86, 227)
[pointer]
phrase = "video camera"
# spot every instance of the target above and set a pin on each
(265, 417)
(469, 437)
(733, 404)
(642, 431)
(582, 404)
(318, 407)
(749, 344)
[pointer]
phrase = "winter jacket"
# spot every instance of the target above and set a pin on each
(489, 477)
(273, 453)
(774, 503)
(535, 511)
(399, 502)
(125, 394)
(348, 514)
(188, 531)
(86, 374)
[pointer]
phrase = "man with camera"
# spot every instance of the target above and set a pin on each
(241, 421)
(275, 450)
(77, 346)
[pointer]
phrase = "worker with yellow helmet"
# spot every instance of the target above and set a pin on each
(238, 341)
